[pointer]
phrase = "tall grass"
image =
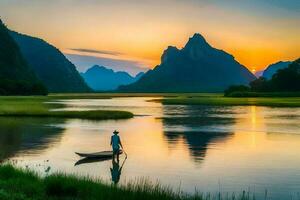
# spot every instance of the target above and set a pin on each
(23, 184)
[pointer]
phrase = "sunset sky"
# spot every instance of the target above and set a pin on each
(132, 34)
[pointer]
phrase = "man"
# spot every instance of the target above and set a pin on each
(115, 142)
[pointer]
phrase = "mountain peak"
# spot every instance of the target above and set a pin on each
(168, 53)
(198, 67)
(197, 47)
(196, 40)
(198, 36)
(102, 78)
(98, 68)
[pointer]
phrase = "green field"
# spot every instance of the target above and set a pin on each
(17, 184)
(37, 106)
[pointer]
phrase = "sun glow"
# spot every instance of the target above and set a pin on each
(141, 31)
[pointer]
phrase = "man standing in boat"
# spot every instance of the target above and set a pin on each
(116, 144)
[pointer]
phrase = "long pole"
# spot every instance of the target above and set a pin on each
(125, 152)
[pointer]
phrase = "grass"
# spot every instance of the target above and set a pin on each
(18, 184)
(263, 94)
(114, 95)
(219, 100)
(214, 99)
(35, 106)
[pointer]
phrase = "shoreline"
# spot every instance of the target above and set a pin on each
(35, 106)
(17, 183)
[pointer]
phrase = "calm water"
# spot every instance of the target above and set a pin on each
(227, 149)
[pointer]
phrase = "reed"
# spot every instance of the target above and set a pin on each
(24, 184)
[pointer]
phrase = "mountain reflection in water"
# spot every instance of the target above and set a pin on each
(197, 142)
(196, 125)
(27, 135)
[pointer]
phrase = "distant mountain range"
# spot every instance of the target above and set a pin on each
(100, 78)
(50, 65)
(198, 67)
(259, 73)
(29, 65)
(16, 77)
(273, 68)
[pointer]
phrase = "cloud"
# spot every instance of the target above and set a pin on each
(113, 53)
(83, 62)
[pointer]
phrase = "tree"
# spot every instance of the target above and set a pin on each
(284, 80)
(287, 79)
(236, 88)
(260, 85)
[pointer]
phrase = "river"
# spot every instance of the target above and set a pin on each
(207, 148)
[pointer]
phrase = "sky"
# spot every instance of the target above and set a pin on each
(131, 35)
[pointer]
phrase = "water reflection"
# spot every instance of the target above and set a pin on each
(268, 120)
(116, 170)
(237, 147)
(197, 142)
(196, 126)
(19, 136)
(90, 160)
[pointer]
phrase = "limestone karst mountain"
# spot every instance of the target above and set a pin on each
(198, 67)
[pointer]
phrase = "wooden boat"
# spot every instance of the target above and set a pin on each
(102, 154)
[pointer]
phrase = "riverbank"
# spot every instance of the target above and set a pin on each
(42, 106)
(115, 94)
(38, 106)
(24, 184)
(262, 94)
(231, 101)
(214, 99)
